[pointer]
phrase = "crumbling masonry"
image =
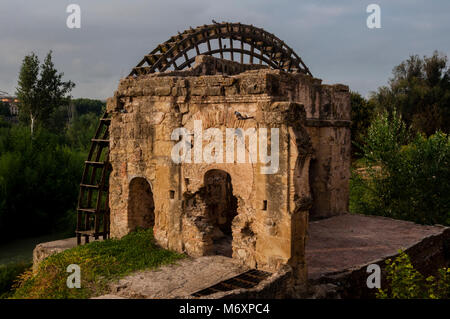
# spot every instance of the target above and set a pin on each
(229, 208)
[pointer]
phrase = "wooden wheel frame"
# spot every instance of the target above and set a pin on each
(264, 46)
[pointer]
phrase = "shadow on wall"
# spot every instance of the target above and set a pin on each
(141, 207)
(221, 206)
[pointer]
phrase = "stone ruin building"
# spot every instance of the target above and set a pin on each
(223, 142)
(220, 76)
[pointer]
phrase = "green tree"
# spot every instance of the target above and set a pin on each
(53, 95)
(85, 106)
(406, 176)
(27, 91)
(362, 112)
(39, 182)
(81, 130)
(420, 91)
(43, 94)
(4, 109)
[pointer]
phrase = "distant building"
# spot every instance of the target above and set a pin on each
(11, 101)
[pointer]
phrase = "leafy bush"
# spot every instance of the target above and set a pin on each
(362, 113)
(85, 106)
(81, 130)
(39, 182)
(100, 262)
(409, 181)
(405, 282)
(8, 274)
(4, 109)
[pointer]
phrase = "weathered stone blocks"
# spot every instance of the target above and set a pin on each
(230, 208)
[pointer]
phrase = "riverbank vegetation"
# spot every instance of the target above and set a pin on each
(402, 147)
(405, 176)
(100, 262)
(405, 282)
(400, 143)
(401, 168)
(8, 276)
(41, 158)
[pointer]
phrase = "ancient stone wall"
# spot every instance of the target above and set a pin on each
(267, 213)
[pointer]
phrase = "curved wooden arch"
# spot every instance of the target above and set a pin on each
(271, 50)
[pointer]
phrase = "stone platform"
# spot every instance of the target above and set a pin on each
(340, 248)
(337, 253)
(43, 250)
(178, 280)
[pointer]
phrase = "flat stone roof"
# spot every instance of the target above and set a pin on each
(342, 242)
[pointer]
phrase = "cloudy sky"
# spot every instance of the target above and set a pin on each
(331, 36)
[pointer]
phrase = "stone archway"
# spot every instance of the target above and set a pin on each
(141, 206)
(221, 208)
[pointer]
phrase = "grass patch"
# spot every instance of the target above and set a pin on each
(100, 262)
(8, 275)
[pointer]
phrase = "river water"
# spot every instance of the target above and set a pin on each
(22, 249)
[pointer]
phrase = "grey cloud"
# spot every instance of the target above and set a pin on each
(330, 36)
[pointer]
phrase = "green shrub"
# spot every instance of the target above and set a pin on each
(81, 130)
(405, 282)
(8, 274)
(4, 109)
(39, 182)
(86, 106)
(362, 112)
(100, 262)
(406, 177)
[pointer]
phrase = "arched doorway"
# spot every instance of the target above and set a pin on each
(221, 208)
(141, 207)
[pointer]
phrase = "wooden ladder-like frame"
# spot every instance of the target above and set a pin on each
(93, 200)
